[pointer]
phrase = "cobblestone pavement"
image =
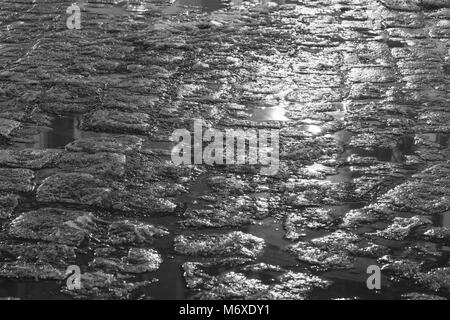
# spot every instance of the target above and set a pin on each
(359, 90)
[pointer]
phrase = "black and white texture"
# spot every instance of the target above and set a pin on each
(359, 91)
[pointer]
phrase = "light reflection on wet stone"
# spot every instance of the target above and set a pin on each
(269, 114)
(355, 183)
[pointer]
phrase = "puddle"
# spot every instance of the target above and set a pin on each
(311, 128)
(443, 139)
(214, 5)
(62, 131)
(395, 44)
(342, 210)
(395, 155)
(338, 115)
(171, 284)
(343, 136)
(205, 5)
(31, 290)
(352, 284)
(139, 8)
(442, 220)
(161, 148)
(381, 154)
(198, 188)
(271, 230)
(103, 8)
(345, 174)
(128, 8)
(404, 147)
(261, 114)
(447, 69)
(273, 233)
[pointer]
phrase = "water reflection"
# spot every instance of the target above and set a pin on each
(344, 175)
(269, 114)
(110, 9)
(161, 148)
(62, 131)
(126, 8)
(443, 139)
(442, 220)
(31, 290)
(273, 233)
(214, 5)
(171, 283)
(396, 154)
(343, 136)
(381, 154)
(311, 128)
(206, 5)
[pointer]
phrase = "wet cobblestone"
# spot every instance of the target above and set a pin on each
(359, 90)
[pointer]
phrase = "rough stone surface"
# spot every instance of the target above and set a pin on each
(235, 244)
(59, 226)
(28, 158)
(16, 180)
(356, 89)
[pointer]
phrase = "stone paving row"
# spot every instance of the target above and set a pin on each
(359, 90)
